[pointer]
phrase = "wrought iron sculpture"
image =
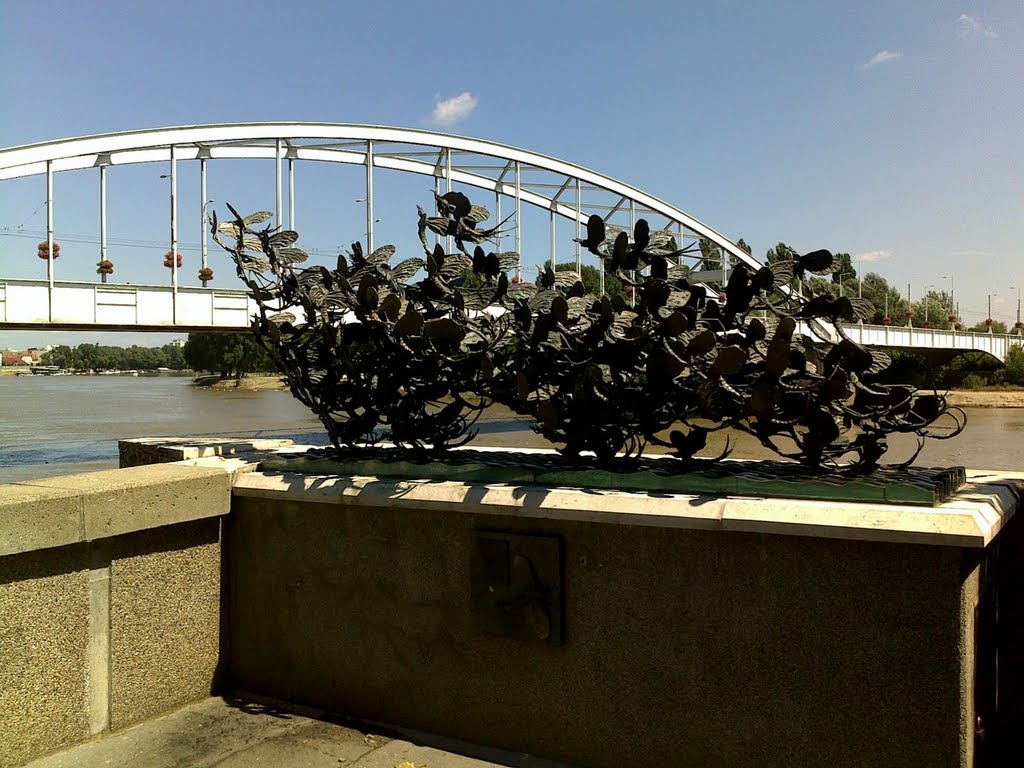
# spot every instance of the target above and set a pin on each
(378, 357)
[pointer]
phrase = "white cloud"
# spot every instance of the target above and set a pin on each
(882, 57)
(873, 256)
(968, 26)
(451, 111)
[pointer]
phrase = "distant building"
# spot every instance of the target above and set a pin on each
(29, 357)
(180, 343)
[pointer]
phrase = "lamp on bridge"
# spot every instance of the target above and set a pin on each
(840, 281)
(953, 318)
(926, 303)
(1018, 326)
(205, 273)
(988, 320)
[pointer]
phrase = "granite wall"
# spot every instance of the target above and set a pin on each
(678, 646)
(109, 601)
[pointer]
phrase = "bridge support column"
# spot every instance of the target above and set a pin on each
(174, 237)
(448, 188)
(291, 193)
(497, 216)
(519, 225)
(103, 218)
(49, 236)
(632, 228)
(277, 184)
(579, 213)
(551, 239)
(369, 197)
(202, 214)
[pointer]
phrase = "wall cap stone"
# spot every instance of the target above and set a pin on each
(34, 517)
(57, 511)
(158, 450)
(970, 519)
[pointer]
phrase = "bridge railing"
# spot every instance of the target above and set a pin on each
(996, 344)
(69, 304)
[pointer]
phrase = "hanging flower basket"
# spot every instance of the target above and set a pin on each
(44, 250)
(909, 313)
(167, 260)
(206, 274)
(927, 324)
(1018, 327)
(516, 280)
(952, 318)
(886, 320)
(105, 267)
(988, 321)
(958, 327)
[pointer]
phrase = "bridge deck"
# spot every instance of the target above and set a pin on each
(27, 304)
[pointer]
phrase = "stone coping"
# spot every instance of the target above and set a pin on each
(159, 450)
(57, 511)
(201, 473)
(971, 518)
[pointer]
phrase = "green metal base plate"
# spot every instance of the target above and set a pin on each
(915, 485)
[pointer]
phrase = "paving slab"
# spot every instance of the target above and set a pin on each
(234, 733)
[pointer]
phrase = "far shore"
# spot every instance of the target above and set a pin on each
(244, 384)
(987, 398)
(982, 398)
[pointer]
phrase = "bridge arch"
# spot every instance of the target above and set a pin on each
(448, 158)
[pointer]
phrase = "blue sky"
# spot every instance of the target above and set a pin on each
(889, 129)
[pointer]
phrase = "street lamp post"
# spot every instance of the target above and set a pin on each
(952, 292)
(203, 234)
(988, 322)
(1018, 327)
(172, 176)
(841, 276)
(930, 285)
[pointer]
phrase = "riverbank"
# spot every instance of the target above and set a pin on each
(245, 384)
(982, 398)
(987, 398)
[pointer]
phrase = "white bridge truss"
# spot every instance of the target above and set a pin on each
(514, 176)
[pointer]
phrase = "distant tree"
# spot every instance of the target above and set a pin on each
(61, 356)
(229, 354)
(711, 255)
(883, 297)
(175, 357)
(843, 268)
(934, 309)
(1014, 371)
(998, 326)
(743, 245)
(780, 252)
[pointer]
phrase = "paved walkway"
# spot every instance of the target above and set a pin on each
(229, 733)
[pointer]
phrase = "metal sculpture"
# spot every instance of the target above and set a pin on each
(379, 357)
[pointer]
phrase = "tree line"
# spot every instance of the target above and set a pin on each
(99, 357)
(226, 354)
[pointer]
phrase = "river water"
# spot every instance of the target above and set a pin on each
(54, 425)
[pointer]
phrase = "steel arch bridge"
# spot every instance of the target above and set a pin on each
(514, 176)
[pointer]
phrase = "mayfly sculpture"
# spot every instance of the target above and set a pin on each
(412, 352)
